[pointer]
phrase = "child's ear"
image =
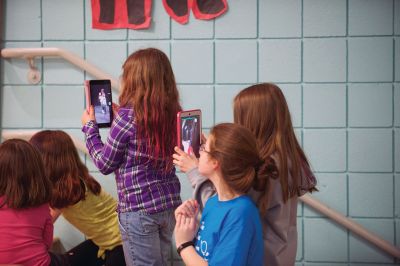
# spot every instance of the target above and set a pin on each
(215, 164)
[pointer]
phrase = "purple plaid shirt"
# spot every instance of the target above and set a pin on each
(141, 186)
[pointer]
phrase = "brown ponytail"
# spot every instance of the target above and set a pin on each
(235, 148)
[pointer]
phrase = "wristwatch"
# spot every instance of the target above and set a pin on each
(183, 246)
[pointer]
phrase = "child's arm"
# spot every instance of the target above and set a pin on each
(185, 230)
(190, 257)
(184, 161)
(203, 189)
(108, 156)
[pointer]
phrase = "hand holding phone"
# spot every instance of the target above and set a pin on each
(189, 131)
(98, 94)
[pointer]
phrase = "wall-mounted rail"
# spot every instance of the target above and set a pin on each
(30, 53)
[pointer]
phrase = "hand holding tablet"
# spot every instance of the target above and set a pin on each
(98, 93)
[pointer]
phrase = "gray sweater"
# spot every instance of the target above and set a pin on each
(280, 237)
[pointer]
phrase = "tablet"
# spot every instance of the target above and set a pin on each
(189, 131)
(98, 93)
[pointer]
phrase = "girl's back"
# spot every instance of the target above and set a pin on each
(26, 235)
(26, 228)
(97, 219)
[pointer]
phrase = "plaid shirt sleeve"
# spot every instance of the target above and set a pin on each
(108, 156)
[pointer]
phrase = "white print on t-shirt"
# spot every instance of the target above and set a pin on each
(203, 243)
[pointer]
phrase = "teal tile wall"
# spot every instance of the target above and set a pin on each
(337, 62)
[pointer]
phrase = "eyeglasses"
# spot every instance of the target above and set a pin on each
(203, 148)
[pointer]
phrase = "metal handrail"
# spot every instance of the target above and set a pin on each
(29, 53)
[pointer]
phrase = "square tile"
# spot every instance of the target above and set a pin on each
(397, 200)
(370, 105)
(396, 104)
(376, 193)
(280, 60)
(324, 18)
(25, 21)
(192, 61)
(397, 58)
(15, 70)
(108, 56)
(396, 17)
(292, 93)
(397, 149)
(299, 253)
(326, 149)
(96, 34)
(224, 95)
(194, 29)
(62, 20)
(370, 150)
(324, 60)
(63, 106)
(332, 192)
(370, 17)
(60, 71)
(370, 59)
(159, 27)
(316, 246)
(22, 107)
(272, 11)
(324, 105)
(199, 97)
(236, 61)
(360, 251)
(233, 25)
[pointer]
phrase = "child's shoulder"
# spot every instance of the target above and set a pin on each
(125, 113)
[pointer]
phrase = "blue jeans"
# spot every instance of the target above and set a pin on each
(146, 238)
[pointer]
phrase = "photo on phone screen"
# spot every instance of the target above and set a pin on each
(189, 131)
(101, 99)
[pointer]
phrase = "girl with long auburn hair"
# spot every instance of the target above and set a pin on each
(138, 149)
(230, 231)
(262, 108)
(81, 201)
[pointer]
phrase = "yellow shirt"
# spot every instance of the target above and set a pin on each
(97, 219)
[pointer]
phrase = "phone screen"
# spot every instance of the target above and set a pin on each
(101, 99)
(190, 134)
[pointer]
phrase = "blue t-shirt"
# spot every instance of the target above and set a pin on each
(230, 233)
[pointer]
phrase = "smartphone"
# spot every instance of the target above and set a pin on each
(189, 131)
(98, 93)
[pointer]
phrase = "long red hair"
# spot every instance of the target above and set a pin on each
(149, 87)
(275, 136)
(69, 176)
